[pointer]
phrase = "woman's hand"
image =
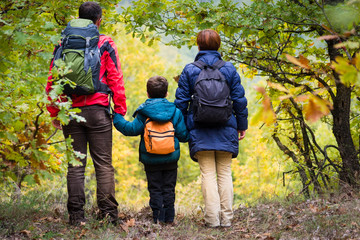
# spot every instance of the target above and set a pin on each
(241, 134)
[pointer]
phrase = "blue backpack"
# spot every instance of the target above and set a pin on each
(79, 50)
(211, 101)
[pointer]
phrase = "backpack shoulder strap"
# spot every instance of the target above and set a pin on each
(200, 64)
(147, 120)
(219, 64)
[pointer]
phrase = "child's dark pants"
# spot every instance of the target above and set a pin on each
(161, 186)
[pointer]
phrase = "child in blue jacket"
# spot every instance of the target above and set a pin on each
(161, 170)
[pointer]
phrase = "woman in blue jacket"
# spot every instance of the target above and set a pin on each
(214, 147)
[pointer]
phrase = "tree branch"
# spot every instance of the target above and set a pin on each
(36, 122)
(291, 154)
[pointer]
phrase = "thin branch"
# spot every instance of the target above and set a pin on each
(53, 134)
(328, 88)
(52, 143)
(62, 23)
(284, 176)
(301, 170)
(300, 23)
(323, 151)
(36, 122)
(323, 11)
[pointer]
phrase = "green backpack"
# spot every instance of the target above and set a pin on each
(79, 50)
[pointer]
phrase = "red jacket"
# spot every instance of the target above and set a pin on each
(111, 74)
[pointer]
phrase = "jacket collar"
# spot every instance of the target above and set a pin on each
(158, 109)
(208, 56)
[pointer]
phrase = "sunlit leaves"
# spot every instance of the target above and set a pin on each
(302, 61)
(315, 108)
(348, 44)
(265, 113)
(348, 70)
(248, 71)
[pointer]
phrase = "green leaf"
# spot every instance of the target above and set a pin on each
(20, 38)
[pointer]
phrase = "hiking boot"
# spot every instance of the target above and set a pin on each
(77, 219)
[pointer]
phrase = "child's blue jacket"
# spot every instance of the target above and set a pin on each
(157, 109)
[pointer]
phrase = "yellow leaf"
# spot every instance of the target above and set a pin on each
(281, 98)
(260, 90)
(316, 108)
(257, 117)
(302, 62)
(294, 91)
(130, 222)
(267, 114)
(302, 98)
(328, 37)
(356, 61)
(277, 86)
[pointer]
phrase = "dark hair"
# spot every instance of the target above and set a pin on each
(208, 39)
(91, 11)
(157, 87)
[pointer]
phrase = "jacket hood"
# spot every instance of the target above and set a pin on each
(158, 109)
(208, 56)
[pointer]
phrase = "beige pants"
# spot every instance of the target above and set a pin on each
(217, 187)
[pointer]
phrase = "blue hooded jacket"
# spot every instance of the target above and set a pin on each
(222, 138)
(157, 109)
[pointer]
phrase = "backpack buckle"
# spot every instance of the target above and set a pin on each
(87, 42)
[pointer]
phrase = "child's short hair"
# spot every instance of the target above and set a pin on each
(157, 87)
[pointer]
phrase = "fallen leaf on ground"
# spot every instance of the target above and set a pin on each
(313, 208)
(130, 222)
(83, 232)
(26, 233)
(124, 227)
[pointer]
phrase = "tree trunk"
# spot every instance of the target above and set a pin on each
(341, 127)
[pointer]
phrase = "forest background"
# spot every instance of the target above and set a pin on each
(257, 172)
(293, 147)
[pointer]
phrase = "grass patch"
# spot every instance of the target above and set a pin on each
(41, 214)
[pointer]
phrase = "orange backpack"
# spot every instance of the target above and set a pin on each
(159, 137)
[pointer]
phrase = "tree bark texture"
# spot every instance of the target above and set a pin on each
(341, 127)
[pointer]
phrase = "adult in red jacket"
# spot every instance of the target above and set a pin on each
(96, 131)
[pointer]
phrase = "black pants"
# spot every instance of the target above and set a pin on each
(161, 186)
(97, 133)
